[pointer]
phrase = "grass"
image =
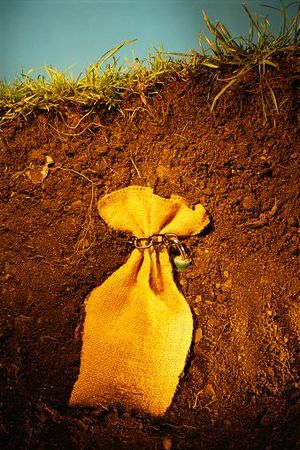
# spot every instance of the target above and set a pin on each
(105, 85)
(106, 82)
(259, 51)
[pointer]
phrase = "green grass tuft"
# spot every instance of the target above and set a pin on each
(106, 82)
(98, 85)
(258, 51)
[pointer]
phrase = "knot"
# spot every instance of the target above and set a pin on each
(169, 240)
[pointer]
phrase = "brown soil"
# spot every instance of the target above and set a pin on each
(240, 386)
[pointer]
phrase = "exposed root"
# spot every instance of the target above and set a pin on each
(86, 238)
(136, 168)
(87, 128)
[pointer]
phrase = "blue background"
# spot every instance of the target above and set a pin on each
(65, 33)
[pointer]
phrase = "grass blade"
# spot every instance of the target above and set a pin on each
(216, 98)
(273, 96)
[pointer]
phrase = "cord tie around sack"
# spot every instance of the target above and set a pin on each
(169, 240)
(138, 326)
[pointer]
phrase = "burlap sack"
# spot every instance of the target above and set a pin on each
(138, 326)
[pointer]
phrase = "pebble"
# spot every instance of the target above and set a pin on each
(270, 371)
(198, 335)
(196, 310)
(227, 285)
(227, 424)
(292, 221)
(102, 149)
(198, 351)
(167, 443)
(209, 391)
(265, 421)
(207, 191)
(198, 298)
(250, 203)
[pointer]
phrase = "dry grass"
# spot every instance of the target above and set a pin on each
(258, 52)
(106, 82)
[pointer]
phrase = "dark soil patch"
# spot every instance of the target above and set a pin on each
(240, 389)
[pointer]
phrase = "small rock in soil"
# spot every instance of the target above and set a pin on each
(167, 443)
(292, 221)
(250, 203)
(227, 424)
(265, 421)
(198, 335)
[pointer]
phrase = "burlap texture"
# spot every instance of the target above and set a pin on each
(138, 326)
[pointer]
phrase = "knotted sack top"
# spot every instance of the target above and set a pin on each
(137, 210)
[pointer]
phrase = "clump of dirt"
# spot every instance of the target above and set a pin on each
(240, 387)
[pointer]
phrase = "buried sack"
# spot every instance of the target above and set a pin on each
(138, 327)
